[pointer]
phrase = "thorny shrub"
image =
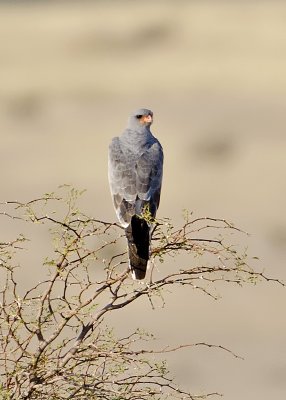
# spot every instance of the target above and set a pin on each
(54, 341)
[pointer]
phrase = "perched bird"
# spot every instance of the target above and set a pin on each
(135, 167)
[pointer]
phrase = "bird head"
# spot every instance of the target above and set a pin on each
(141, 118)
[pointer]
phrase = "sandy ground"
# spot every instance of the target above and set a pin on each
(213, 72)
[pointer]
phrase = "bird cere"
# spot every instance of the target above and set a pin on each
(135, 169)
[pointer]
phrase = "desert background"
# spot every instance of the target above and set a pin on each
(213, 72)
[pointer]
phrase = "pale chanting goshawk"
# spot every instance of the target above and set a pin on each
(135, 168)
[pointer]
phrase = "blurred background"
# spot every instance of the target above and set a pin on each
(213, 72)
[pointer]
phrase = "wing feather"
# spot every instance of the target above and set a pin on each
(135, 179)
(149, 176)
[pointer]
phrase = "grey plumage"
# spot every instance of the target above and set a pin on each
(135, 167)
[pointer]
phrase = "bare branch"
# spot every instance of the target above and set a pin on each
(53, 341)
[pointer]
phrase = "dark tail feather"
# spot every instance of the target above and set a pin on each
(138, 238)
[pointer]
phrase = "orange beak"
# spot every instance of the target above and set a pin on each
(147, 118)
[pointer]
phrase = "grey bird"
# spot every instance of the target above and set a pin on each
(135, 169)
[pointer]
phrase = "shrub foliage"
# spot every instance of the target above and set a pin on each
(54, 340)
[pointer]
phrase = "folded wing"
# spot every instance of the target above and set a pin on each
(135, 179)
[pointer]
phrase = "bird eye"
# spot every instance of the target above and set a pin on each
(138, 116)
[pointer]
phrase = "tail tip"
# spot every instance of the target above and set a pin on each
(137, 274)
